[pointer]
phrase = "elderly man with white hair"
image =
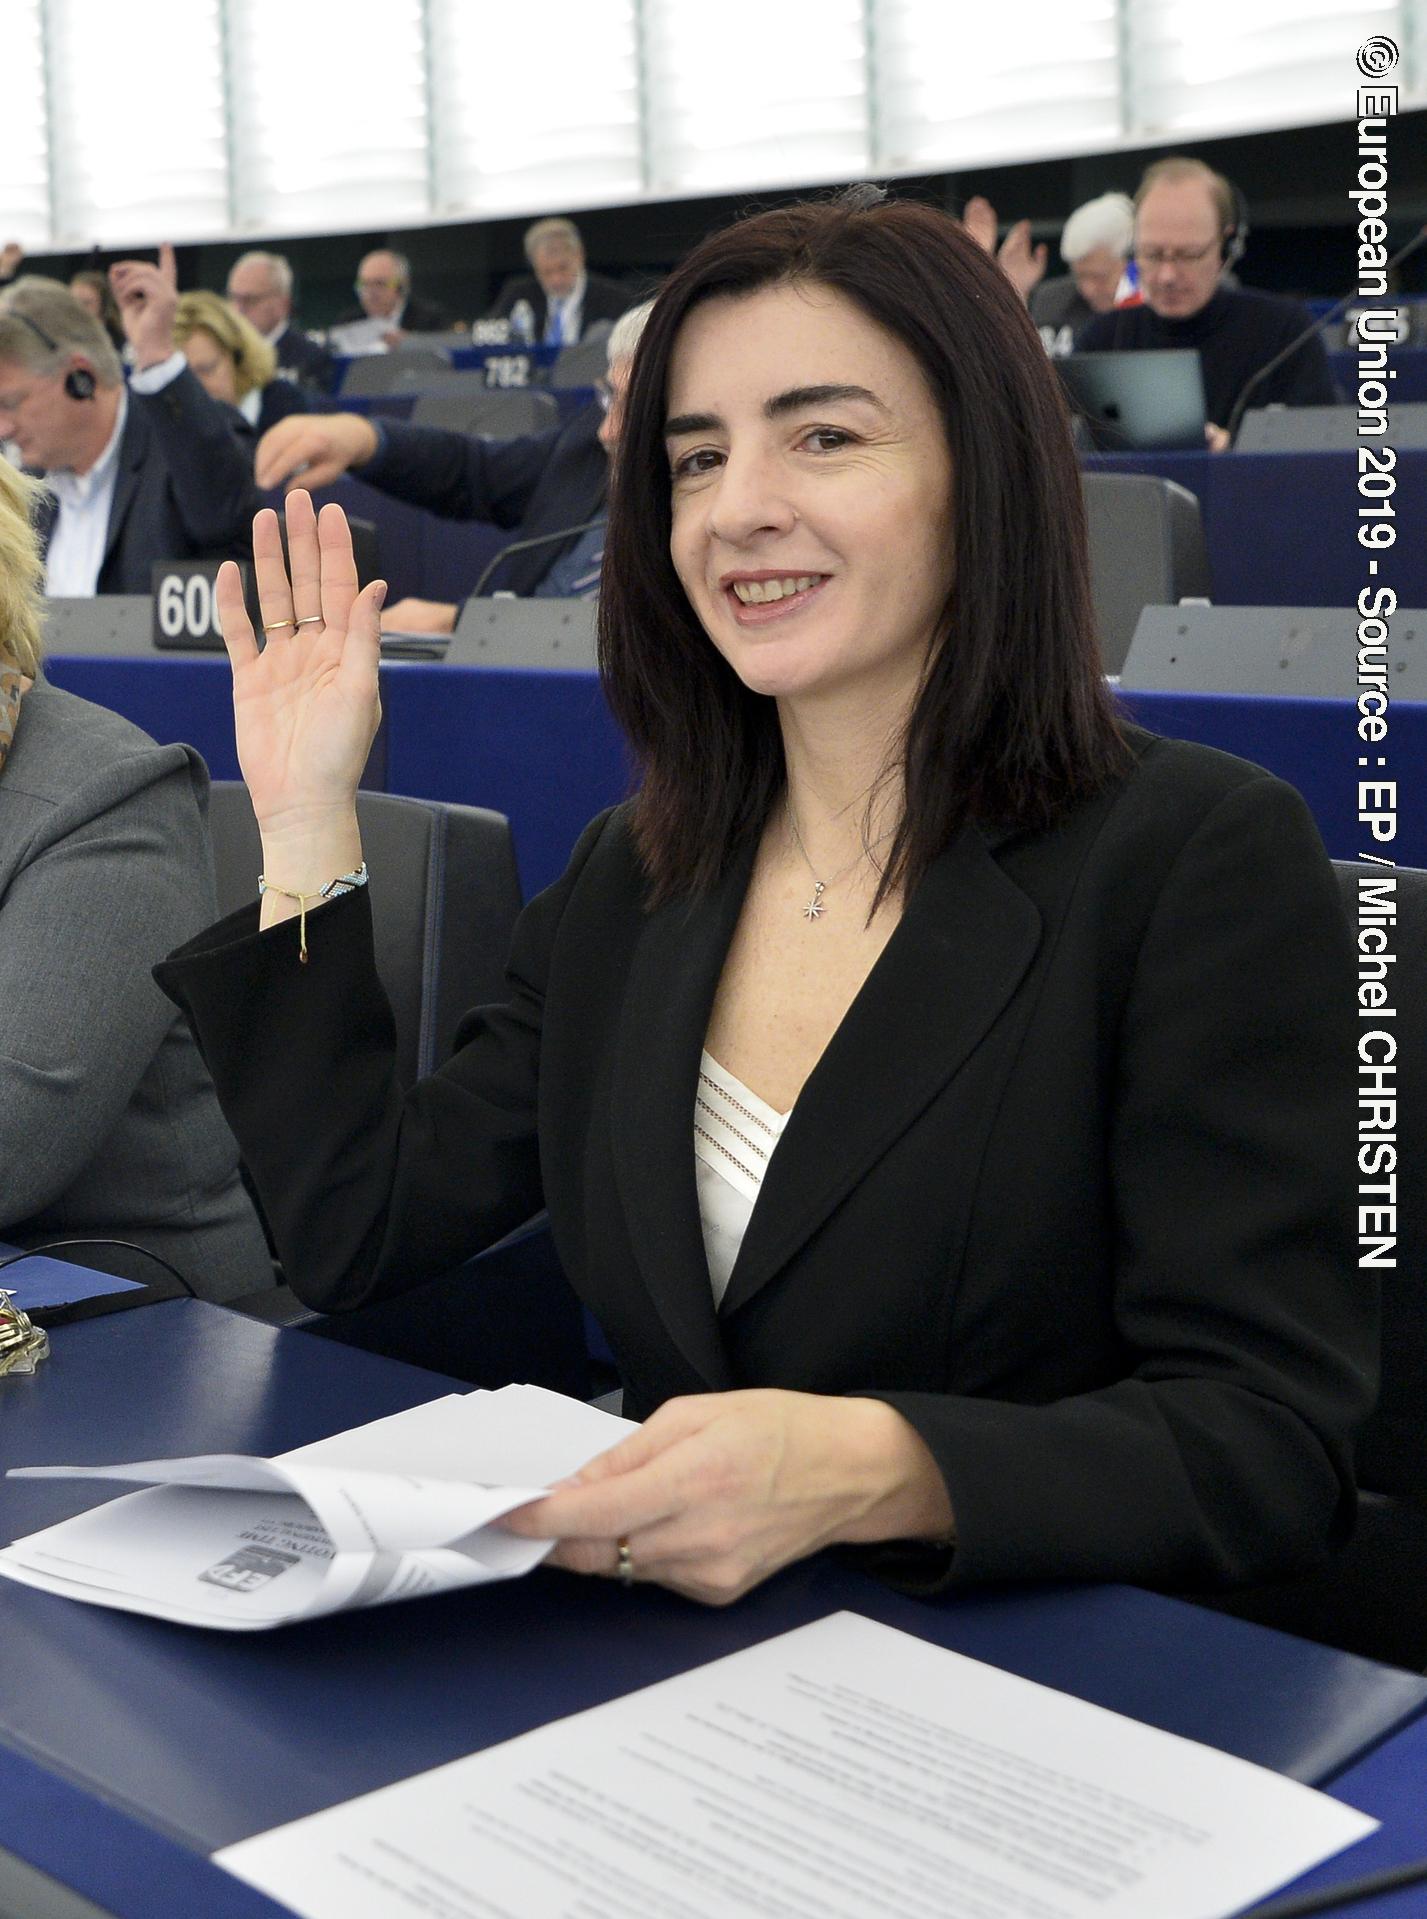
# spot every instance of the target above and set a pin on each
(544, 483)
(260, 287)
(1095, 243)
(559, 299)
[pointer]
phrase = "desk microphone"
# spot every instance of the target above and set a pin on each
(525, 546)
(1240, 406)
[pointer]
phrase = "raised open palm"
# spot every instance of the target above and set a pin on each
(306, 708)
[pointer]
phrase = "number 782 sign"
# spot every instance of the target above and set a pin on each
(185, 605)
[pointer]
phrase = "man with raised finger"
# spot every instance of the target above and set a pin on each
(136, 473)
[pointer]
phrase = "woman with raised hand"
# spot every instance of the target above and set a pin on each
(939, 1088)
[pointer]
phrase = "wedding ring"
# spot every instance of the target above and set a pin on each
(624, 1566)
(276, 626)
(312, 619)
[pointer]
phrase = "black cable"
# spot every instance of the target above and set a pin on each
(124, 1245)
(1320, 325)
(525, 546)
(1350, 1892)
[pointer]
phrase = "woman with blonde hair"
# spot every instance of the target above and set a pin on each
(233, 362)
(109, 1130)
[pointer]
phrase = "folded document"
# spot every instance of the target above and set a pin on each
(403, 1506)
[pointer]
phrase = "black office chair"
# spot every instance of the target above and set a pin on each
(444, 899)
(1369, 1599)
(1147, 548)
(444, 902)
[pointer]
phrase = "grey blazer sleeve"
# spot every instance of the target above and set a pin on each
(109, 878)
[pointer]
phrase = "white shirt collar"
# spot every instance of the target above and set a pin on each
(72, 488)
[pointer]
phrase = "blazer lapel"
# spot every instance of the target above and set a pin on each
(960, 951)
(668, 998)
(130, 465)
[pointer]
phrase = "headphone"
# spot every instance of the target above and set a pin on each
(79, 382)
(1236, 234)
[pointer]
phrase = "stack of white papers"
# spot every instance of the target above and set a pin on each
(387, 1511)
(841, 1771)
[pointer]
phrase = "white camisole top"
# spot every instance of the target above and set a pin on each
(735, 1133)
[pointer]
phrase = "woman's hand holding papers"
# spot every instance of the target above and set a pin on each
(717, 1492)
(306, 708)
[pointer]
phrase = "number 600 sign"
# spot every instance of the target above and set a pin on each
(185, 609)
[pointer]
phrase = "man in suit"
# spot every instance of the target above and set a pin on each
(152, 471)
(260, 287)
(559, 299)
(389, 310)
(542, 483)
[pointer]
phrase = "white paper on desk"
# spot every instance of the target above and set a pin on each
(391, 1510)
(841, 1771)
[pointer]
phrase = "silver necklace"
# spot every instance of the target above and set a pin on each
(815, 909)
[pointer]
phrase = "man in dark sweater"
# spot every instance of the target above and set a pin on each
(1186, 236)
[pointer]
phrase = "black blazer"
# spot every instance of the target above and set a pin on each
(305, 361)
(605, 299)
(280, 397)
(183, 490)
(537, 484)
(1070, 1186)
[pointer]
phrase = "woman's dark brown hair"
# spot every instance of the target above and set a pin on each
(1013, 722)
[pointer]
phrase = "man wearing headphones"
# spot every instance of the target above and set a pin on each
(1190, 229)
(152, 471)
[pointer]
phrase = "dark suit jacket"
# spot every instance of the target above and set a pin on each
(305, 361)
(280, 397)
(533, 485)
(1070, 1186)
(183, 491)
(605, 299)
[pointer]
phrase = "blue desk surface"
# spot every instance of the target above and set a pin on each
(538, 359)
(1313, 744)
(1409, 363)
(543, 749)
(540, 747)
(129, 1748)
(1282, 527)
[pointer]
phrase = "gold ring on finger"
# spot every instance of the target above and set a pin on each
(312, 619)
(624, 1564)
(276, 626)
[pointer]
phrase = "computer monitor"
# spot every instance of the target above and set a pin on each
(1150, 401)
